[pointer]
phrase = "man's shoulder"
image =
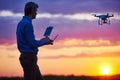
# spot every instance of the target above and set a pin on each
(25, 22)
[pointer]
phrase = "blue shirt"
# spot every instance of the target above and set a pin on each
(26, 42)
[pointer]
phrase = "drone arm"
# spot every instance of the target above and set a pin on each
(111, 15)
(95, 15)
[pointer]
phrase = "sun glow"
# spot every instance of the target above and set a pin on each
(105, 69)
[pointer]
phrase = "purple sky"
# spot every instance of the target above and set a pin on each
(66, 27)
(65, 6)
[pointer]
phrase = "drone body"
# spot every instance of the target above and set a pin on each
(104, 18)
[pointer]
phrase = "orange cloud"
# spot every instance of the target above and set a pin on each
(77, 48)
(72, 48)
(116, 54)
(81, 43)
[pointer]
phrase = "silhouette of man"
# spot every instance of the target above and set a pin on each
(27, 45)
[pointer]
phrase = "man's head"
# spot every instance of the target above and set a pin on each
(31, 9)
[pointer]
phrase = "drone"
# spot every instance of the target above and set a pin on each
(104, 18)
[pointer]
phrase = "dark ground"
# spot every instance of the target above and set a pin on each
(54, 77)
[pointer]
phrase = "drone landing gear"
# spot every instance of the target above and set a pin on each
(108, 21)
(100, 22)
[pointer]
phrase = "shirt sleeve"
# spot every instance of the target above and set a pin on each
(30, 38)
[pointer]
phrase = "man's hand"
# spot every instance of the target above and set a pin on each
(47, 41)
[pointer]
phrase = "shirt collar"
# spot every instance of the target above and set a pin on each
(26, 17)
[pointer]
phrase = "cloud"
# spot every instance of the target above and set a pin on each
(80, 26)
(79, 43)
(7, 13)
(83, 55)
(7, 41)
(80, 49)
(76, 16)
(92, 42)
(70, 49)
(9, 51)
(11, 56)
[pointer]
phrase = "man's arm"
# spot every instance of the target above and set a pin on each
(29, 35)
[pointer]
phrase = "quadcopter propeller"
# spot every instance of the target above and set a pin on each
(112, 15)
(94, 15)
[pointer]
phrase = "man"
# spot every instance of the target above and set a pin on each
(27, 45)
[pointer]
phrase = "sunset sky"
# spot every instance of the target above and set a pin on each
(82, 48)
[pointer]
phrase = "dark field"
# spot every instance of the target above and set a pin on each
(54, 77)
